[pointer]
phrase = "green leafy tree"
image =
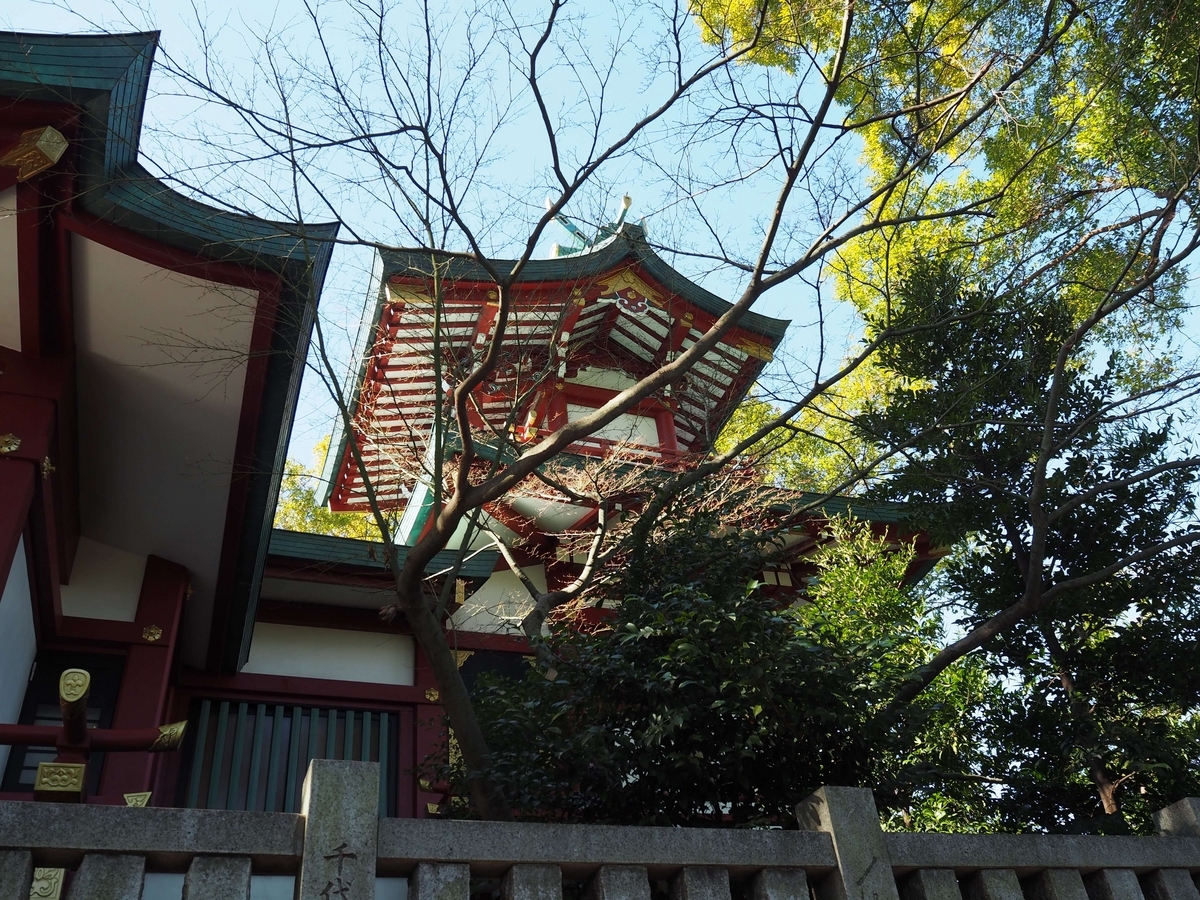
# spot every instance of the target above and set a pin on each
(1076, 577)
(298, 509)
(1047, 147)
(702, 702)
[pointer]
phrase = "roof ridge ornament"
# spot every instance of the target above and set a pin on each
(582, 243)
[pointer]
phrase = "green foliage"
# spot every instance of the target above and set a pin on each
(1097, 723)
(298, 510)
(818, 452)
(703, 703)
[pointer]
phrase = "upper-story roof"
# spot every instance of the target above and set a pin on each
(618, 308)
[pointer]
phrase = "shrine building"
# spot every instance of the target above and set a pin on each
(151, 350)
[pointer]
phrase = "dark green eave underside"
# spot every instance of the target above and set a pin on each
(106, 76)
(880, 512)
(629, 243)
(370, 554)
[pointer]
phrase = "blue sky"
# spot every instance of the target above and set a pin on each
(180, 132)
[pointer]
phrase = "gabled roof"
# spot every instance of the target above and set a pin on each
(343, 551)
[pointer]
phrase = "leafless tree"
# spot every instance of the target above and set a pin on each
(407, 128)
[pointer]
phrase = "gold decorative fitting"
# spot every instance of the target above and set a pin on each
(9, 443)
(461, 656)
(432, 695)
(141, 798)
(169, 737)
(626, 279)
(36, 151)
(47, 468)
(432, 809)
(73, 684)
(60, 778)
(151, 633)
(47, 884)
(755, 349)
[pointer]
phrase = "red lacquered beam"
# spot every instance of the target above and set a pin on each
(165, 737)
(156, 740)
(37, 735)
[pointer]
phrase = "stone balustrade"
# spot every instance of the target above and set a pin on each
(337, 848)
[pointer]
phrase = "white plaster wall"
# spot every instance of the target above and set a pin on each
(499, 606)
(162, 365)
(18, 643)
(10, 308)
(626, 428)
(609, 379)
(331, 653)
(105, 583)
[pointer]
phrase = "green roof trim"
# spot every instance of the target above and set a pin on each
(370, 554)
(881, 511)
(106, 76)
(628, 244)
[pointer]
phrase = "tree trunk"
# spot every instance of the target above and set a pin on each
(1106, 788)
(485, 796)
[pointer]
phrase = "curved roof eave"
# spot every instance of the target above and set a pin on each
(107, 75)
(628, 243)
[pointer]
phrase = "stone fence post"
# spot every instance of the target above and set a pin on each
(340, 806)
(864, 866)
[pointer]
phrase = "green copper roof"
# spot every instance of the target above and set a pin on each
(628, 244)
(369, 554)
(106, 76)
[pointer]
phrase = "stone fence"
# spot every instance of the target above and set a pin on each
(338, 848)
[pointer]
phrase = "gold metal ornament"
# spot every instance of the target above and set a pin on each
(169, 736)
(73, 685)
(47, 884)
(139, 799)
(756, 350)
(461, 656)
(432, 695)
(47, 468)
(9, 443)
(36, 151)
(151, 633)
(627, 279)
(60, 778)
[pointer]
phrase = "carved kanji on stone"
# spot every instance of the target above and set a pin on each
(340, 886)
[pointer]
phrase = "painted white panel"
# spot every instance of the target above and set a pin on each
(105, 583)
(18, 642)
(609, 379)
(10, 308)
(162, 365)
(625, 429)
(331, 653)
(499, 606)
(549, 515)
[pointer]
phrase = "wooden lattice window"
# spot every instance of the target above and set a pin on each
(254, 756)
